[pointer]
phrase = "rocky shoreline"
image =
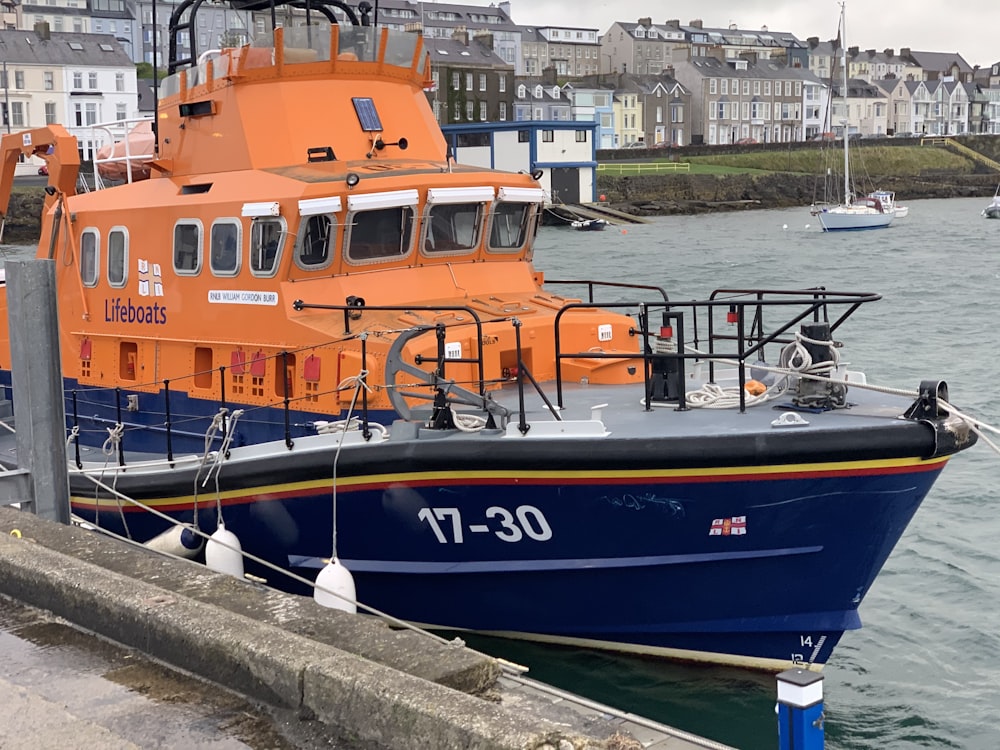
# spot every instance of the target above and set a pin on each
(653, 195)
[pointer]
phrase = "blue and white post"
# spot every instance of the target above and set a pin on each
(800, 710)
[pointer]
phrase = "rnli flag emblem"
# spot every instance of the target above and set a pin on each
(733, 526)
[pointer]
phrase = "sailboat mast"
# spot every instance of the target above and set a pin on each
(843, 56)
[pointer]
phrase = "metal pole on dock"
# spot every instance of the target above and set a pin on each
(800, 710)
(36, 376)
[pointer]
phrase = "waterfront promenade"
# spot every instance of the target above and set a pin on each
(366, 682)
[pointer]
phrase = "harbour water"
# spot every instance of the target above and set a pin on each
(924, 672)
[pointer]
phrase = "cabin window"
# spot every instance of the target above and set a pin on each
(453, 227)
(316, 243)
(510, 225)
(267, 236)
(382, 234)
(117, 256)
(225, 245)
(187, 247)
(90, 241)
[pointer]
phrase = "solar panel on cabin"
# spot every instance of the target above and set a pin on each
(367, 115)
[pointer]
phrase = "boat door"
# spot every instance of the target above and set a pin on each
(565, 185)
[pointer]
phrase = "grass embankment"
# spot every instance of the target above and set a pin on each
(899, 161)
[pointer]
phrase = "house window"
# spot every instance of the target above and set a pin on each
(49, 80)
(78, 81)
(523, 136)
(724, 87)
(756, 87)
(456, 80)
(548, 136)
(92, 81)
(503, 111)
(767, 88)
(19, 79)
(469, 107)
(17, 114)
(119, 81)
(581, 136)
(712, 86)
(482, 82)
(121, 111)
(457, 114)
(502, 83)
(90, 111)
(50, 113)
(468, 81)
(483, 117)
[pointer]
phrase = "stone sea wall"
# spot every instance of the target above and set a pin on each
(688, 194)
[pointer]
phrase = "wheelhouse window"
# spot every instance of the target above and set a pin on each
(513, 218)
(224, 244)
(90, 241)
(380, 226)
(117, 256)
(454, 219)
(267, 237)
(187, 247)
(316, 241)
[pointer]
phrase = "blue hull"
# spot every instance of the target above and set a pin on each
(757, 569)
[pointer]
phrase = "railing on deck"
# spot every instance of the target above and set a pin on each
(738, 325)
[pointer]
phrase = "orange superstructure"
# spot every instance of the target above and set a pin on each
(306, 168)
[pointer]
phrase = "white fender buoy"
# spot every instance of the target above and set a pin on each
(179, 540)
(335, 578)
(223, 553)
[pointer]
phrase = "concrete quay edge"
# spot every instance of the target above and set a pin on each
(179, 613)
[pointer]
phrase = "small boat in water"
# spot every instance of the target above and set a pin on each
(589, 225)
(337, 338)
(992, 211)
(854, 212)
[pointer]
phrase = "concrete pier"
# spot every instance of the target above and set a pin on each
(392, 688)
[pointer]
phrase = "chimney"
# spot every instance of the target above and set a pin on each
(904, 52)
(889, 52)
(42, 30)
(484, 38)
(852, 51)
(696, 23)
(749, 56)
(646, 22)
(813, 42)
(505, 8)
(674, 23)
(461, 35)
(870, 52)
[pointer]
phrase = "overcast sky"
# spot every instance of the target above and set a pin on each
(965, 26)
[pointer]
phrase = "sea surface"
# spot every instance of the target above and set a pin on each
(924, 671)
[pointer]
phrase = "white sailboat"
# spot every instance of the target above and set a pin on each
(855, 212)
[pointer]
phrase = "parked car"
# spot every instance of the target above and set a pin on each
(825, 137)
(636, 144)
(44, 169)
(745, 141)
